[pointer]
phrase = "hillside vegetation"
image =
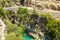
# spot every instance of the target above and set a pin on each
(25, 21)
(14, 26)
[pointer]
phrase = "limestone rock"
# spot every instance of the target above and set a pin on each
(54, 6)
(40, 6)
(58, 7)
(47, 6)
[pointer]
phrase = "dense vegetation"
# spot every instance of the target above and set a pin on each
(15, 24)
(52, 27)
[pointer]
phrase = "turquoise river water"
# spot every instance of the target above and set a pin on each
(26, 37)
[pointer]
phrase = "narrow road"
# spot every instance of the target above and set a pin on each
(2, 30)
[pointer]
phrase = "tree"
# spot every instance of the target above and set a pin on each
(53, 28)
(22, 13)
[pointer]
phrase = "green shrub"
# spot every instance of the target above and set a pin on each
(22, 12)
(46, 15)
(21, 28)
(44, 18)
(35, 12)
(12, 36)
(53, 28)
(9, 26)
